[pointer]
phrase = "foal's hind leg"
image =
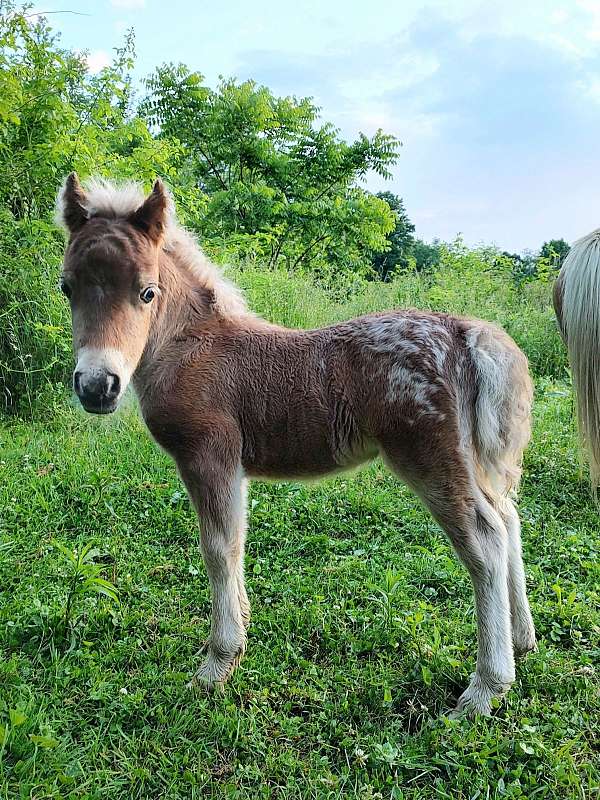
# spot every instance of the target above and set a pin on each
(523, 630)
(482, 545)
(480, 538)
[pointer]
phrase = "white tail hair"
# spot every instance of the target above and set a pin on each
(577, 304)
(502, 407)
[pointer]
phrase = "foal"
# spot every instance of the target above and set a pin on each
(445, 401)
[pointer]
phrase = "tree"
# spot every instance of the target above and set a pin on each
(426, 255)
(523, 265)
(554, 252)
(400, 240)
(279, 185)
(56, 117)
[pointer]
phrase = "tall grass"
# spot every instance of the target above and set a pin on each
(35, 349)
(468, 282)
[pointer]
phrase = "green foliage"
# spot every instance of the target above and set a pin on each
(554, 252)
(35, 342)
(82, 579)
(55, 117)
(362, 632)
(279, 184)
(400, 240)
(543, 266)
(426, 255)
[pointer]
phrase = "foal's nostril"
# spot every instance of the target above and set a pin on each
(113, 385)
(96, 387)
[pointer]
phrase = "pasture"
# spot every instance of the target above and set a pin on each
(363, 628)
(363, 631)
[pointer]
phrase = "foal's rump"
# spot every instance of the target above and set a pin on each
(445, 393)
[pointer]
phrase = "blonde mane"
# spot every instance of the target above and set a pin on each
(103, 198)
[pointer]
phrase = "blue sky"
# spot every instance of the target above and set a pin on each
(497, 104)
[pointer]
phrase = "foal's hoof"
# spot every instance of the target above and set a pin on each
(215, 670)
(477, 698)
(525, 644)
(469, 707)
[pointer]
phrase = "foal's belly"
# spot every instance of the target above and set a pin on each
(299, 454)
(281, 453)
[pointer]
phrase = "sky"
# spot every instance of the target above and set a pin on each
(497, 104)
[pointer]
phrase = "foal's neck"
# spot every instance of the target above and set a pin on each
(183, 307)
(184, 303)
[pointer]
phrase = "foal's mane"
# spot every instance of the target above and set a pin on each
(104, 198)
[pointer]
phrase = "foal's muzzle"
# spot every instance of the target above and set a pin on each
(97, 389)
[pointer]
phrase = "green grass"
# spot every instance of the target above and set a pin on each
(363, 633)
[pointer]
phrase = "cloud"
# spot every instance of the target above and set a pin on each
(129, 5)
(590, 88)
(498, 112)
(592, 7)
(559, 16)
(514, 160)
(97, 60)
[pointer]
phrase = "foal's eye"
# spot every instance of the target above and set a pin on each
(147, 295)
(65, 288)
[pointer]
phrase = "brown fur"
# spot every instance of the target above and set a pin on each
(444, 400)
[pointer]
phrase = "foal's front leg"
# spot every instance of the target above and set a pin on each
(218, 494)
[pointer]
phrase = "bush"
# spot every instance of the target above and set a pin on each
(474, 283)
(35, 347)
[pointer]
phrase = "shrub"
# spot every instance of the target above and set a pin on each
(35, 348)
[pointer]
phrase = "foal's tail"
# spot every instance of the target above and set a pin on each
(577, 306)
(500, 408)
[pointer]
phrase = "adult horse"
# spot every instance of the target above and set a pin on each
(444, 400)
(577, 306)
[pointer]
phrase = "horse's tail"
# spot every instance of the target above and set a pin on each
(502, 407)
(577, 306)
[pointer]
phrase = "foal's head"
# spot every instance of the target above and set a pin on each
(110, 276)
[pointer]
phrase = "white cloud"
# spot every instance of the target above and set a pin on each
(590, 88)
(97, 60)
(566, 46)
(559, 16)
(592, 7)
(129, 5)
(402, 71)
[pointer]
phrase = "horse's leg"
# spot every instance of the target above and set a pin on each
(480, 539)
(241, 582)
(523, 630)
(218, 494)
(481, 542)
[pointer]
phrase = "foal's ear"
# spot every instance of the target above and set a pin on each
(70, 205)
(151, 216)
